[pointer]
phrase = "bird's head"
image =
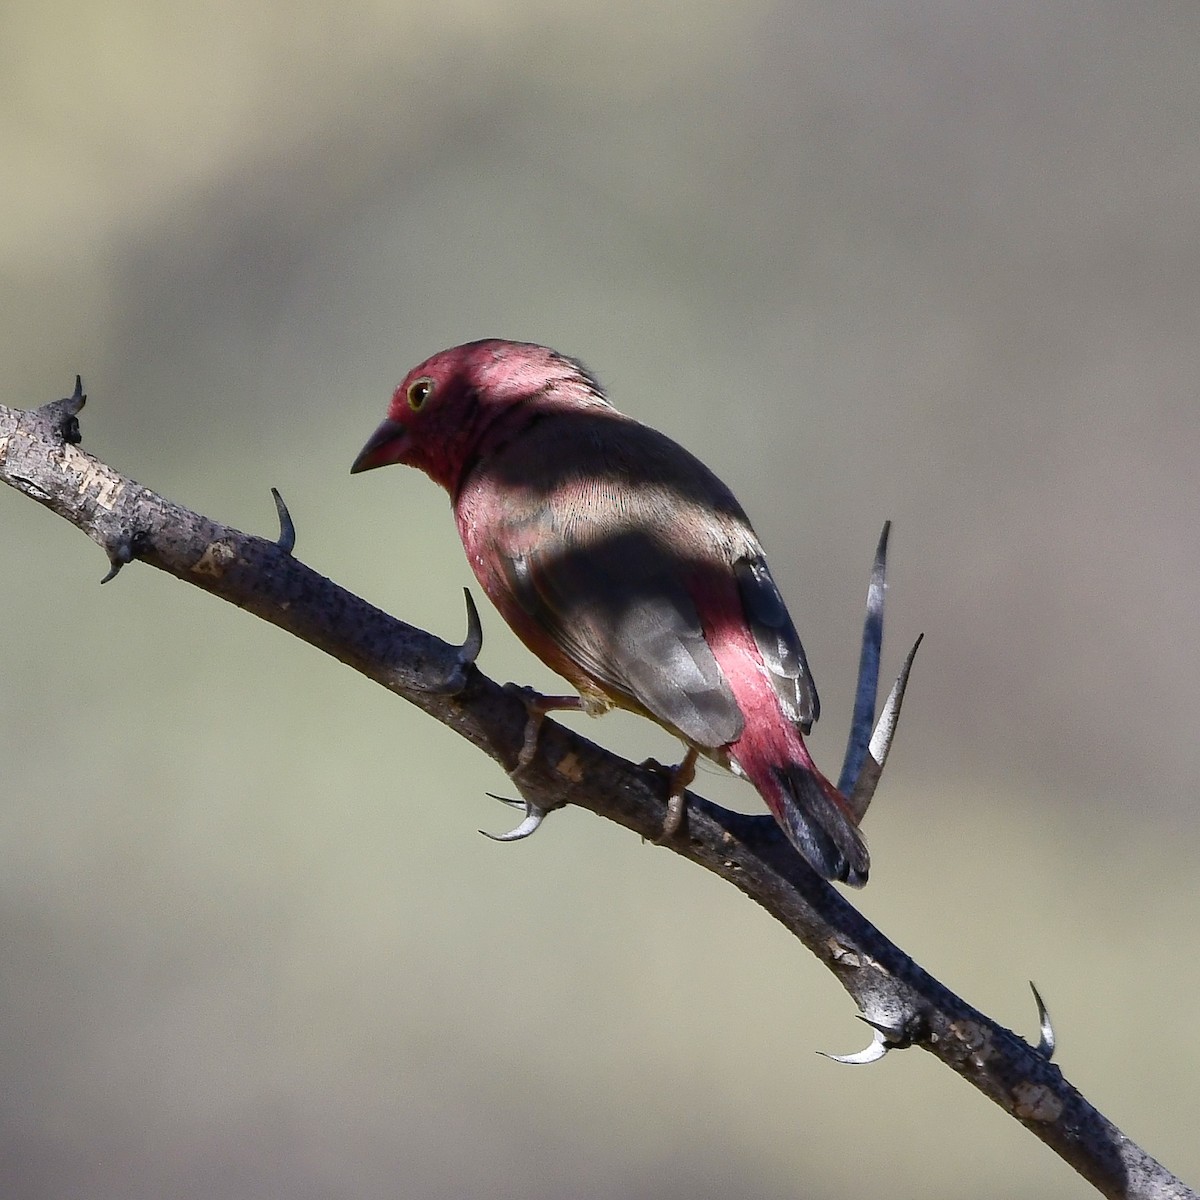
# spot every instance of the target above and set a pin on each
(441, 414)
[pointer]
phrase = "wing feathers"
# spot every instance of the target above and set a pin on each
(778, 642)
(619, 611)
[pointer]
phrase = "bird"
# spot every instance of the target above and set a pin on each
(626, 566)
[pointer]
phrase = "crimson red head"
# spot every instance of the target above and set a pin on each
(441, 412)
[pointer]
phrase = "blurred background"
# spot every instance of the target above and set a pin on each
(936, 262)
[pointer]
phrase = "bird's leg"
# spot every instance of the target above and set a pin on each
(536, 708)
(678, 778)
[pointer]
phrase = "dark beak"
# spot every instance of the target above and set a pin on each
(386, 445)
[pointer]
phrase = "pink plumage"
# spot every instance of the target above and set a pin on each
(626, 565)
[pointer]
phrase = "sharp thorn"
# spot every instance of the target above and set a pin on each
(122, 552)
(867, 688)
(893, 1035)
(506, 800)
(69, 409)
(114, 569)
(62, 415)
(77, 399)
(880, 745)
(1047, 1040)
(467, 653)
(287, 529)
(873, 1053)
(534, 816)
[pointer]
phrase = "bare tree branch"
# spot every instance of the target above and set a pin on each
(39, 456)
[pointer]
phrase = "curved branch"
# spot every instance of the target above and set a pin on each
(903, 1003)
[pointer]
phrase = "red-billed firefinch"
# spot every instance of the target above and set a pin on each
(624, 564)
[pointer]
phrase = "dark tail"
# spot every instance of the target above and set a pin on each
(817, 823)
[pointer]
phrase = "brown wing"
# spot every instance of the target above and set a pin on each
(605, 531)
(618, 607)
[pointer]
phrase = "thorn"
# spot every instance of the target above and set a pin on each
(881, 741)
(878, 1047)
(895, 1036)
(287, 529)
(122, 552)
(1047, 1041)
(468, 652)
(72, 406)
(63, 414)
(506, 800)
(117, 559)
(867, 687)
(534, 816)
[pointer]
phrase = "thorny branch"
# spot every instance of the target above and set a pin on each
(903, 1004)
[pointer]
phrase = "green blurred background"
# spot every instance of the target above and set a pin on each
(936, 262)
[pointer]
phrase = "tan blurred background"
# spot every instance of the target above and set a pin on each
(936, 262)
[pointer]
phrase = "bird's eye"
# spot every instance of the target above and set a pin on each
(419, 392)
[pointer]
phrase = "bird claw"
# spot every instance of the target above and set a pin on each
(456, 678)
(1047, 1041)
(535, 714)
(675, 815)
(287, 529)
(534, 816)
(678, 777)
(536, 708)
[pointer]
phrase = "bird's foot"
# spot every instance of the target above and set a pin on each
(536, 708)
(678, 778)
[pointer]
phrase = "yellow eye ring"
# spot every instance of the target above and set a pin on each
(419, 392)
